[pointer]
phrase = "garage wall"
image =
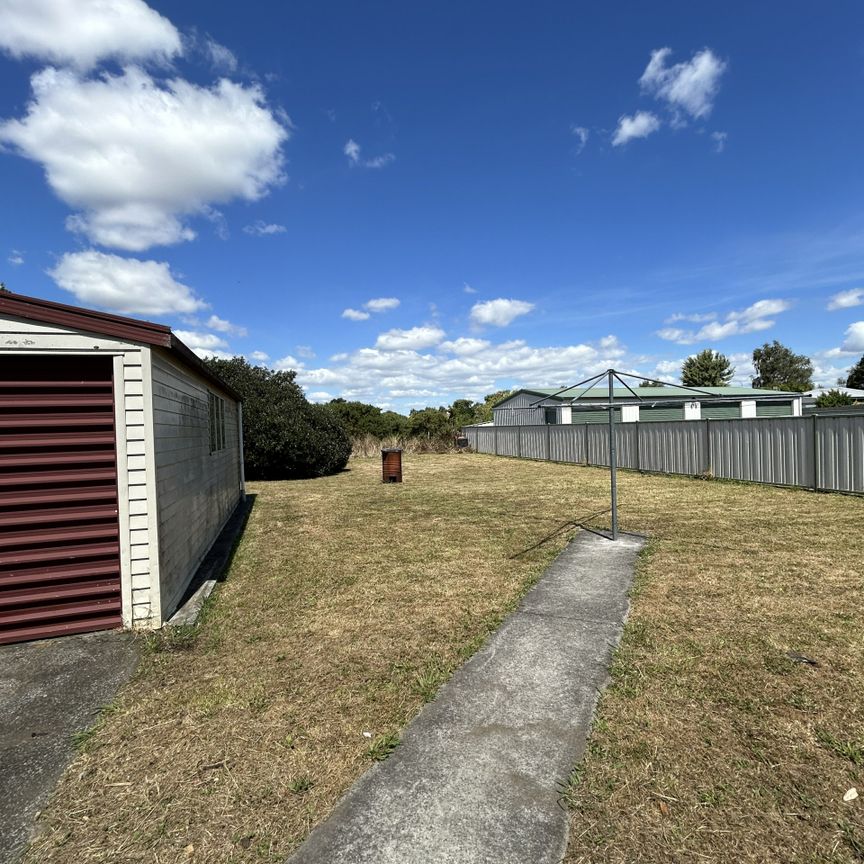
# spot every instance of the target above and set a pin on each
(196, 490)
(139, 570)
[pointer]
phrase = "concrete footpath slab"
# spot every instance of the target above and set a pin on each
(49, 690)
(478, 774)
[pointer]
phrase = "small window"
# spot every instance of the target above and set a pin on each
(216, 418)
(551, 416)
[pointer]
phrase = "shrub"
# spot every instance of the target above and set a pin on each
(834, 399)
(284, 435)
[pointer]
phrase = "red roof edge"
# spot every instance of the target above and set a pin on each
(105, 324)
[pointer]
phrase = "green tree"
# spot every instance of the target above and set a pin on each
(651, 384)
(484, 409)
(778, 368)
(433, 424)
(856, 375)
(284, 436)
(361, 419)
(464, 412)
(834, 399)
(708, 368)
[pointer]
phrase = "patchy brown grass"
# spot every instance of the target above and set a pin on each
(350, 601)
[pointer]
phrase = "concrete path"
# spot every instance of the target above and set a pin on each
(477, 775)
(49, 690)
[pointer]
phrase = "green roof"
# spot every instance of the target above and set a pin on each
(648, 393)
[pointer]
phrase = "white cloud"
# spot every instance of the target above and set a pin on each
(464, 346)
(259, 356)
(581, 134)
(288, 362)
(352, 151)
(640, 125)
(750, 320)
(691, 86)
(214, 322)
(500, 312)
(468, 289)
(355, 314)
(414, 339)
(221, 58)
(381, 304)
(136, 157)
(16, 258)
(263, 229)
(719, 139)
(846, 299)
(854, 341)
(694, 317)
(305, 351)
(201, 341)
(124, 284)
(380, 161)
(81, 33)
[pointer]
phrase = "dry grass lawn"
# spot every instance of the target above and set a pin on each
(349, 602)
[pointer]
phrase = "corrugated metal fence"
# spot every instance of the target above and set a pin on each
(816, 452)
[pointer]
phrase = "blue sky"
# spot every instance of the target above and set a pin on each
(414, 203)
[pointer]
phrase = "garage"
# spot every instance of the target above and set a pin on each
(120, 462)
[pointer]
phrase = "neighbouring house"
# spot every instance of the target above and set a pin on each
(120, 463)
(810, 406)
(543, 405)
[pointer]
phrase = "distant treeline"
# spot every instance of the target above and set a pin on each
(424, 428)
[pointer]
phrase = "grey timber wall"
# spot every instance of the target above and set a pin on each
(196, 490)
(815, 452)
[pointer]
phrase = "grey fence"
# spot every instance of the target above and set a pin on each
(816, 452)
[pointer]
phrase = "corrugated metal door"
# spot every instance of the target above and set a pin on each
(59, 532)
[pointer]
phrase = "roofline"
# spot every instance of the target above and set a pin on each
(105, 324)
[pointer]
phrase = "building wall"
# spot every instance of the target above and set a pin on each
(196, 490)
(138, 562)
(516, 411)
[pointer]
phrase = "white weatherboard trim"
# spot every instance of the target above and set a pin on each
(122, 462)
(748, 407)
(629, 413)
(692, 410)
(152, 499)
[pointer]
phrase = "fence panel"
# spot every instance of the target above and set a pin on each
(820, 452)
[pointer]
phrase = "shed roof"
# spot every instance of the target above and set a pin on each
(104, 324)
(648, 393)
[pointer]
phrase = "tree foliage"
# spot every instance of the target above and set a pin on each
(834, 399)
(651, 384)
(708, 368)
(359, 419)
(778, 368)
(284, 435)
(856, 375)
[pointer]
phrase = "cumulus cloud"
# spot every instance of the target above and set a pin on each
(500, 312)
(690, 86)
(381, 304)
(125, 285)
(463, 346)
(259, 356)
(81, 33)
(16, 258)
(640, 125)
(846, 299)
(752, 319)
(355, 314)
(201, 341)
(581, 134)
(264, 229)
(135, 156)
(352, 151)
(214, 322)
(414, 339)
(854, 341)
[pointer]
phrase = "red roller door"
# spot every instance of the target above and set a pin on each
(59, 533)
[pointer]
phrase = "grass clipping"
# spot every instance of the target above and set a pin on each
(349, 602)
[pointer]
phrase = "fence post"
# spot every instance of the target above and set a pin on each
(519, 442)
(585, 437)
(709, 456)
(548, 443)
(495, 436)
(638, 449)
(815, 453)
